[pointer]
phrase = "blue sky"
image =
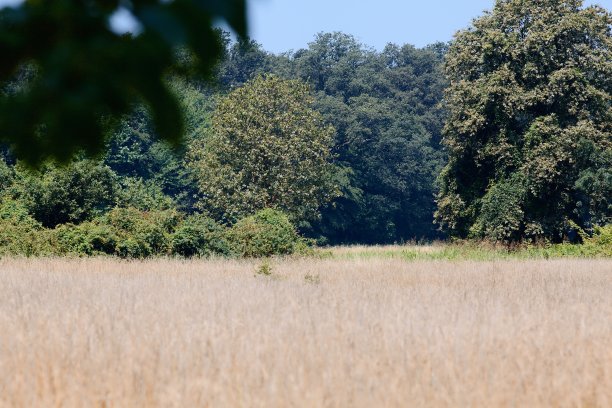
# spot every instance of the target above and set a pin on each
(282, 25)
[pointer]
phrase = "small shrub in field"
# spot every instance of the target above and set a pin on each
(314, 279)
(198, 235)
(268, 232)
(265, 269)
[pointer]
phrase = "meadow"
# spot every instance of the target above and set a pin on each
(346, 328)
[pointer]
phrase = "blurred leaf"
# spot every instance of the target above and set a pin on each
(86, 77)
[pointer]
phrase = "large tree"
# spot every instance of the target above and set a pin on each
(529, 135)
(268, 148)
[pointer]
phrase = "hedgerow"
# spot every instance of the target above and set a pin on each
(133, 233)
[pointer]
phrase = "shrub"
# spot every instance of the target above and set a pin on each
(88, 238)
(20, 234)
(198, 235)
(140, 233)
(72, 239)
(70, 194)
(131, 233)
(268, 232)
(601, 241)
(125, 232)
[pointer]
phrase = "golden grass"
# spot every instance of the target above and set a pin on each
(340, 251)
(337, 333)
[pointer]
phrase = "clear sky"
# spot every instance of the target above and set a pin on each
(281, 25)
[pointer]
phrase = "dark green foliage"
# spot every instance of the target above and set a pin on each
(20, 234)
(135, 152)
(198, 235)
(384, 107)
(57, 195)
(244, 61)
(593, 186)
(6, 176)
(529, 132)
(500, 212)
(125, 232)
(87, 238)
(268, 232)
(80, 76)
(143, 195)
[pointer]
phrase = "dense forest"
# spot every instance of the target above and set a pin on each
(495, 135)
(385, 121)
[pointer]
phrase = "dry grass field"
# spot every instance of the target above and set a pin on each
(314, 333)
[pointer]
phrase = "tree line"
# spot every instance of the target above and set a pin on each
(350, 155)
(504, 134)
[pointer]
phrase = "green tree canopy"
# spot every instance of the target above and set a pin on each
(244, 60)
(385, 109)
(268, 148)
(66, 77)
(529, 135)
(74, 193)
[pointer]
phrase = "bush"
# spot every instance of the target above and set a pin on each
(131, 233)
(198, 235)
(125, 232)
(71, 194)
(140, 233)
(20, 234)
(601, 241)
(88, 238)
(268, 232)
